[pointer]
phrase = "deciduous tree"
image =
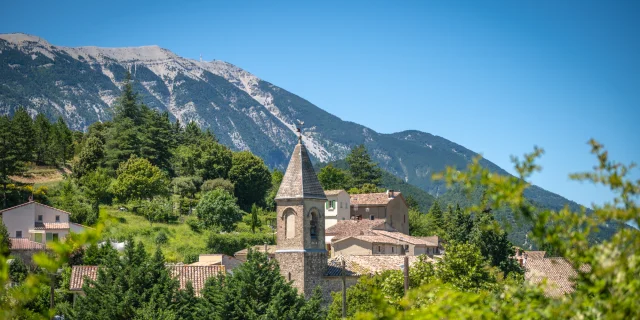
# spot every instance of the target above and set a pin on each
(219, 208)
(251, 179)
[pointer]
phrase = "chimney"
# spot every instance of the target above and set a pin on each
(390, 194)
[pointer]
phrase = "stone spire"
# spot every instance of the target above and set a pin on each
(300, 180)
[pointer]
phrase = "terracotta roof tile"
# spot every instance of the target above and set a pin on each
(370, 239)
(347, 228)
(271, 249)
(379, 263)
(381, 198)
(333, 192)
(535, 254)
(51, 225)
(25, 244)
(197, 275)
(558, 272)
(300, 180)
(334, 269)
(405, 238)
(79, 273)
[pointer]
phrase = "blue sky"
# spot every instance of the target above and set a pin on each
(495, 77)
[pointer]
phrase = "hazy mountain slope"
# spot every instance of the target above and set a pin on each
(245, 112)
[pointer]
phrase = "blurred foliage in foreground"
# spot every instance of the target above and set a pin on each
(607, 285)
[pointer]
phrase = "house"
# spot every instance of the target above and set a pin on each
(389, 206)
(38, 223)
(337, 207)
(558, 273)
(375, 237)
(228, 262)
(197, 275)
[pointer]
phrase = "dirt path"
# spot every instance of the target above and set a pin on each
(41, 174)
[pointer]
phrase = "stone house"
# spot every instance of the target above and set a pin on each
(217, 259)
(389, 206)
(38, 222)
(380, 239)
(337, 207)
(270, 250)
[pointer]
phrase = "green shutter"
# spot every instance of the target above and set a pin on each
(38, 237)
(49, 236)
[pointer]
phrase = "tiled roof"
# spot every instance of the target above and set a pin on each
(51, 225)
(370, 239)
(433, 239)
(535, 254)
(557, 271)
(372, 198)
(333, 192)
(405, 238)
(347, 228)
(25, 244)
(379, 263)
(271, 249)
(300, 180)
(78, 274)
(334, 268)
(197, 275)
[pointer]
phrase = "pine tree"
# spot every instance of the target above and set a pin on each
(61, 142)
(23, 128)
(362, 168)
(10, 163)
(42, 130)
(156, 139)
(90, 158)
(437, 218)
(127, 106)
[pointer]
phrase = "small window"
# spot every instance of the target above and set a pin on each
(392, 249)
(57, 218)
(289, 277)
(49, 236)
(55, 237)
(37, 237)
(366, 209)
(371, 217)
(378, 248)
(19, 234)
(340, 205)
(39, 218)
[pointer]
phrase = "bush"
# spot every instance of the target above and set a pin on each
(229, 244)
(157, 210)
(218, 208)
(211, 185)
(162, 238)
(195, 225)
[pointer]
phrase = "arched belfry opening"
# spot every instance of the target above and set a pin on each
(289, 218)
(313, 225)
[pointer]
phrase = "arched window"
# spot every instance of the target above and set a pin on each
(289, 224)
(313, 225)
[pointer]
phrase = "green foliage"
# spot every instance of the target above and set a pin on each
(90, 157)
(362, 168)
(254, 221)
(96, 186)
(219, 208)
(126, 287)
(22, 126)
(18, 270)
(464, 267)
(333, 178)
(61, 142)
(5, 242)
(276, 180)
(366, 188)
(157, 210)
(251, 179)
(493, 243)
(10, 157)
(139, 179)
(218, 183)
(42, 132)
(229, 244)
(256, 290)
(201, 155)
(161, 238)
(67, 196)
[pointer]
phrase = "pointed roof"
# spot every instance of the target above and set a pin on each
(300, 180)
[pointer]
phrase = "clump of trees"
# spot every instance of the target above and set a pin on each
(361, 175)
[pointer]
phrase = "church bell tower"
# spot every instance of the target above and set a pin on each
(300, 249)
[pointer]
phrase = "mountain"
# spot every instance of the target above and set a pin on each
(245, 112)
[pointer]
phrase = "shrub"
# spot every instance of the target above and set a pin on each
(161, 238)
(232, 243)
(211, 185)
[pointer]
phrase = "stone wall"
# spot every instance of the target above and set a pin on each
(334, 284)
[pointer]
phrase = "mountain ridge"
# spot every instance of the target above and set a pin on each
(245, 112)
